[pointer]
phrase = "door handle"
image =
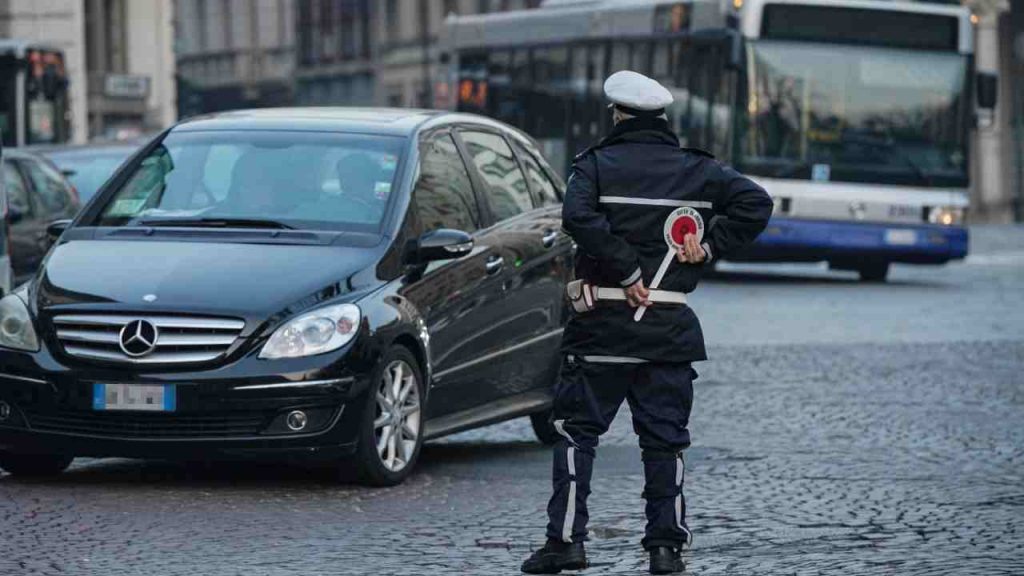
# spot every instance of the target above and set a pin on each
(494, 264)
(549, 238)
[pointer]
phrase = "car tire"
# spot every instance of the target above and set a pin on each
(874, 272)
(34, 465)
(388, 461)
(543, 429)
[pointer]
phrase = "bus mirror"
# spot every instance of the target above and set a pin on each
(988, 90)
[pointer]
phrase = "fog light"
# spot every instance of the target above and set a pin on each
(5, 411)
(296, 420)
(946, 215)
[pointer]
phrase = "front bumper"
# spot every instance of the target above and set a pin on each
(791, 239)
(231, 411)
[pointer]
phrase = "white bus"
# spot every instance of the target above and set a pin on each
(854, 114)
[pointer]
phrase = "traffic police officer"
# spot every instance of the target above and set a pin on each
(648, 216)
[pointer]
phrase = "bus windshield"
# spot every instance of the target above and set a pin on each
(853, 113)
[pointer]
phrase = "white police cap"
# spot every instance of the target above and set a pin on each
(637, 94)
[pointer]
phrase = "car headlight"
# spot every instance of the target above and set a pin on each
(16, 330)
(946, 215)
(315, 332)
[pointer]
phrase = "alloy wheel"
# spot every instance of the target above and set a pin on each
(396, 425)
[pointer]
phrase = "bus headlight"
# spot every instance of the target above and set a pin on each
(16, 330)
(946, 215)
(314, 332)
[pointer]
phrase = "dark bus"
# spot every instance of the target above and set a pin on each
(33, 94)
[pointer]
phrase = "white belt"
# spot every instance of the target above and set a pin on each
(656, 296)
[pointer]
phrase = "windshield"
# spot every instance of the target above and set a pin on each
(304, 180)
(856, 114)
(88, 169)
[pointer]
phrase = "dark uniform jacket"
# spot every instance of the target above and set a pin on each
(619, 195)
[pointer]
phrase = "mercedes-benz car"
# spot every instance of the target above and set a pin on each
(327, 284)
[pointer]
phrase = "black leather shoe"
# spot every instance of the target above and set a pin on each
(556, 556)
(665, 560)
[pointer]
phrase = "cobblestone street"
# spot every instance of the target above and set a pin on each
(839, 428)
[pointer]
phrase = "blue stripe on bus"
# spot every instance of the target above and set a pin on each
(948, 241)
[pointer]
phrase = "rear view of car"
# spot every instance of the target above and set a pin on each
(89, 167)
(37, 195)
(5, 247)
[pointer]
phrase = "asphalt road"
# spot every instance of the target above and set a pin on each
(839, 428)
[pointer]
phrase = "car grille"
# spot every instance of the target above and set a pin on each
(227, 424)
(181, 339)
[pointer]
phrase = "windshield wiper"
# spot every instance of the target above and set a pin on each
(919, 172)
(791, 169)
(217, 223)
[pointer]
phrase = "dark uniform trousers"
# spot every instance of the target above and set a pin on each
(587, 397)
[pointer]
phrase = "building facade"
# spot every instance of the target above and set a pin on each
(60, 24)
(377, 52)
(130, 68)
(997, 191)
(118, 57)
(234, 54)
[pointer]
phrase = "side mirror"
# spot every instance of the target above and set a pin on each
(443, 244)
(56, 228)
(987, 90)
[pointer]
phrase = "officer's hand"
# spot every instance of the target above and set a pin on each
(691, 251)
(637, 294)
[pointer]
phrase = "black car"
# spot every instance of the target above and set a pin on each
(37, 195)
(338, 284)
(6, 276)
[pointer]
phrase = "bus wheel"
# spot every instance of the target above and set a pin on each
(874, 272)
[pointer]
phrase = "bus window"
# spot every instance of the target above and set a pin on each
(641, 58)
(549, 116)
(722, 106)
(660, 61)
(701, 94)
(620, 57)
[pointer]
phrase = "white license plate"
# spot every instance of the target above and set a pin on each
(901, 237)
(145, 397)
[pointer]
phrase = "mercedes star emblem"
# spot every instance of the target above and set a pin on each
(138, 338)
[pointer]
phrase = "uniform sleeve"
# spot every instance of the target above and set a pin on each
(589, 227)
(746, 208)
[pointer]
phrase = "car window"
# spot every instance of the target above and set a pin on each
(49, 184)
(443, 193)
(306, 180)
(17, 194)
(507, 191)
(539, 181)
(89, 169)
(220, 162)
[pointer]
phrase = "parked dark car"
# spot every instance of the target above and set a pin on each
(324, 283)
(89, 166)
(6, 276)
(37, 195)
